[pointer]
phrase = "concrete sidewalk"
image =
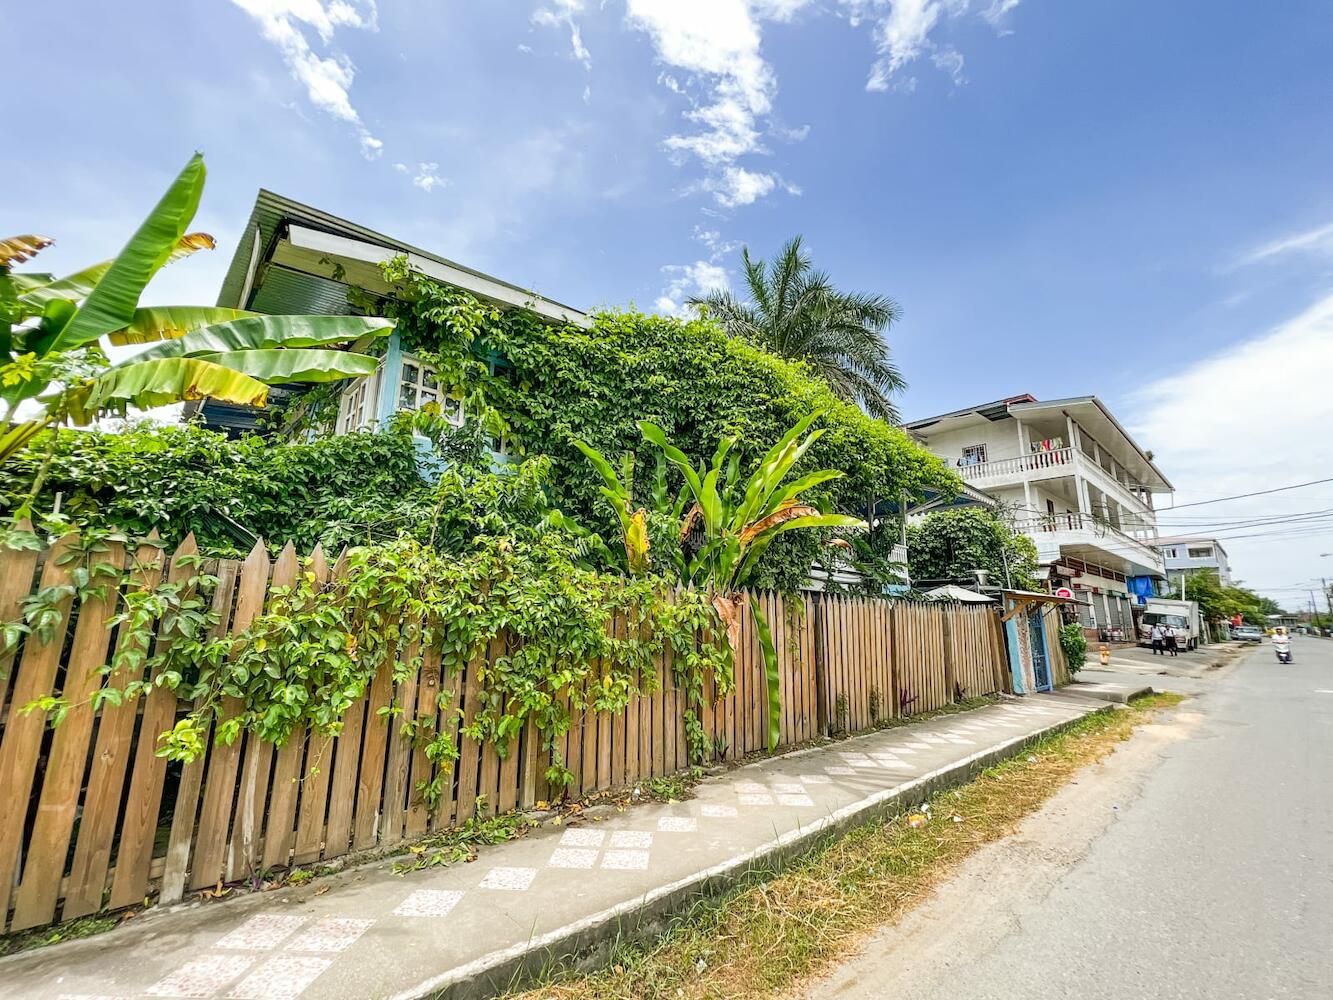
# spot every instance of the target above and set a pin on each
(468, 929)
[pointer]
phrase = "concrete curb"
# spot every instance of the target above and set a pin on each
(1121, 694)
(587, 942)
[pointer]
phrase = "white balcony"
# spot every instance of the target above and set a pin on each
(1025, 468)
(1042, 465)
(1091, 539)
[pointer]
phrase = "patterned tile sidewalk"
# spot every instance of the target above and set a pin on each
(369, 933)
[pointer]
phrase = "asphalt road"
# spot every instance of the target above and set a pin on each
(1196, 863)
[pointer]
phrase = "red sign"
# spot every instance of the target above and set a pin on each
(1064, 592)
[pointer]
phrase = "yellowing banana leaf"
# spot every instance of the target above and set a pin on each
(153, 323)
(760, 543)
(167, 380)
(636, 541)
(786, 512)
(111, 304)
(17, 437)
(251, 332)
(191, 243)
(17, 249)
(279, 365)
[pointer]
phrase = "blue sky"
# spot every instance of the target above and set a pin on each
(1128, 199)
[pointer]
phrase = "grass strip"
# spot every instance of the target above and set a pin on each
(774, 931)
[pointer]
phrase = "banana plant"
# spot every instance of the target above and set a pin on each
(616, 489)
(739, 523)
(52, 332)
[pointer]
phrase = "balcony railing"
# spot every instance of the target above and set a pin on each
(1049, 465)
(1075, 521)
(1039, 461)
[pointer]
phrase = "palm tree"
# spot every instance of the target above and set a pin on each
(795, 312)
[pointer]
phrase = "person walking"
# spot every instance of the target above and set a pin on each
(1169, 640)
(1158, 636)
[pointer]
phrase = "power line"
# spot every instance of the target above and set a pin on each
(1242, 496)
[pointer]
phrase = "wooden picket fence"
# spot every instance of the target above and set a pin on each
(883, 660)
(91, 819)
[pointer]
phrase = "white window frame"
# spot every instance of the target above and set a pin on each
(978, 451)
(358, 403)
(421, 380)
(358, 406)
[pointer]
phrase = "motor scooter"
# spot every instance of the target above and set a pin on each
(1282, 647)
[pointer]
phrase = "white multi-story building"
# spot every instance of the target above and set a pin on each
(1073, 480)
(1189, 554)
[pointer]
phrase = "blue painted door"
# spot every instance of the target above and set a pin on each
(1041, 668)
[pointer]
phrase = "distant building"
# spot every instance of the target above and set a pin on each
(1075, 482)
(1189, 554)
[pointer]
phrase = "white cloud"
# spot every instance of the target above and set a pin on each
(1251, 417)
(717, 246)
(327, 79)
(778, 10)
(686, 280)
(561, 13)
(996, 13)
(903, 30)
(1317, 241)
(425, 176)
(949, 60)
(713, 48)
(736, 186)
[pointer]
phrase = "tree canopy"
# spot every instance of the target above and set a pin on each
(797, 313)
(950, 544)
(1218, 603)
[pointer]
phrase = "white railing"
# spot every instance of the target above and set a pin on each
(1060, 460)
(1075, 521)
(1109, 484)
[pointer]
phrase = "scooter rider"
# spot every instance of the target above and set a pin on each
(1282, 645)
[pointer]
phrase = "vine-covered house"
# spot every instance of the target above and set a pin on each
(294, 258)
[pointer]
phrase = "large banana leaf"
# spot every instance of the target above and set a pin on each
(771, 679)
(246, 332)
(774, 466)
(279, 365)
(675, 456)
(76, 286)
(156, 383)
(111, 304)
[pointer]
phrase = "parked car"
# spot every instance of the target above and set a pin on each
(1247, 633)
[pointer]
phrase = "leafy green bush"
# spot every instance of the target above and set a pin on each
(1075, 646)
(950, 544)
(179, 479)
